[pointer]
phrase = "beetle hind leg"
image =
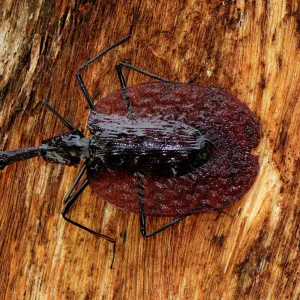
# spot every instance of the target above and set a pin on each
(141, 198)
(123, 84)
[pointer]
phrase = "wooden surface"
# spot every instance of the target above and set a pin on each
(250, 48)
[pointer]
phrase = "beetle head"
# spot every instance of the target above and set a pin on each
(65, 149)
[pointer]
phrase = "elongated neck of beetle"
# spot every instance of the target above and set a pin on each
(12, 156)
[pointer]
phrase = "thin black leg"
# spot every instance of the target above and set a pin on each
(72, 199)
(59, 116)
(194, 78)
(79, 77)
(225, 213)
(123, 84)
(79, 175)
(141, 199)
(125, 93)
(70, 204)
(123, 64)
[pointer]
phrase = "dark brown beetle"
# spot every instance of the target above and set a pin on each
(185, 147)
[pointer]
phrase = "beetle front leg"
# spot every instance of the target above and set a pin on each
(141, 198)
(123, 84)
(61, 118)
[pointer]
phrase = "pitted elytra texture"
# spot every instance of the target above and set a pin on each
(219, 117)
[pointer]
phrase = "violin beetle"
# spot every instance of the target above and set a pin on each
(157, 149)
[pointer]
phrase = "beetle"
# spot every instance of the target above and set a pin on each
(158, 150)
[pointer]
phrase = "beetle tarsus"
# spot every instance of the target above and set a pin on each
(113, 256)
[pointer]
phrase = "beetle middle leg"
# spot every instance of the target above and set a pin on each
(141, 199)
(194, 78)
(79, 77)
(124, 64)
(123, 84)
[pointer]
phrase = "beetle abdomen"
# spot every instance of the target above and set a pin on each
(150, 146)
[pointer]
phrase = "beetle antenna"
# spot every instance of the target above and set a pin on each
(12, 156)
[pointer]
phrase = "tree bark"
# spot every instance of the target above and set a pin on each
(249, 48)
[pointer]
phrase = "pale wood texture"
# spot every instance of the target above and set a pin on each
(250, 48)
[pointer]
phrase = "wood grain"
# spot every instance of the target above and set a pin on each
(250, 48)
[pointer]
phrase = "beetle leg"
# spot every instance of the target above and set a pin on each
(150, 74)
(72, 199)
(125, 94)
(124, 64)
(59, 116)
(141, 198)
(79, 77)
(194, 78)
(79, 175)
(123, 84)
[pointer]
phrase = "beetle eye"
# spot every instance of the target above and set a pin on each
(204, 156)
(43, 151)
(205, 144)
